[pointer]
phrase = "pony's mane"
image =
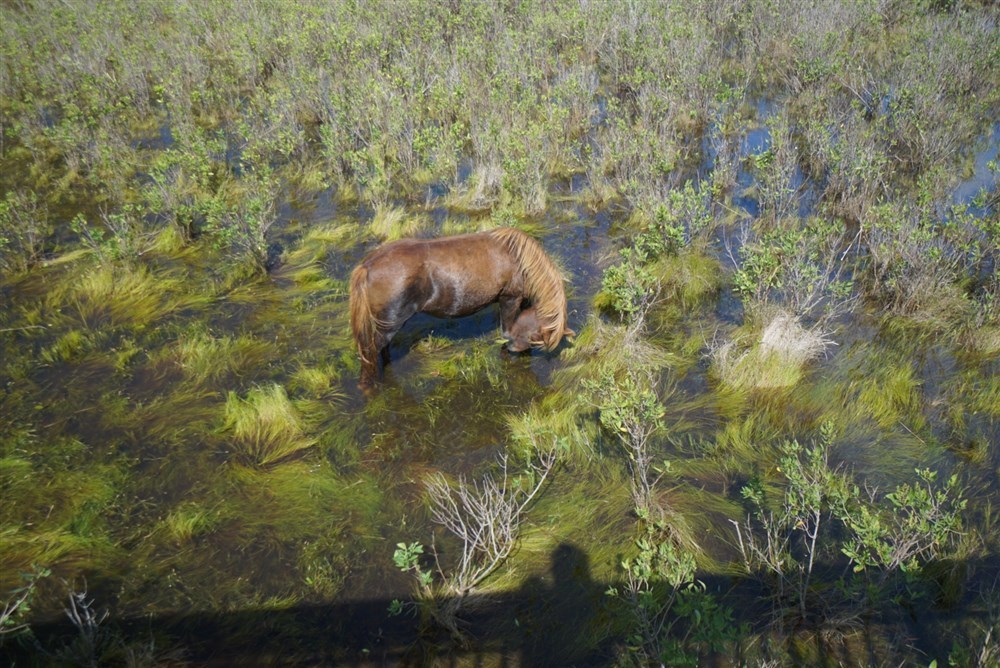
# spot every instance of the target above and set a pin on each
(543, 282)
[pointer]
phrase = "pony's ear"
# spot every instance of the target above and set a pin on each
(569, 332)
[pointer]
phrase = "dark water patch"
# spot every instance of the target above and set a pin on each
(756, 142)
(310, 207)
(439, 214)
(423, 325)
(729, 307)
(435, 411)
(162, 140)
(983, 177)
(570, 186)
(464, 172)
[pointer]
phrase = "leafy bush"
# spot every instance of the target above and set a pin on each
(24, 227)
(673, 617)
(821, 514)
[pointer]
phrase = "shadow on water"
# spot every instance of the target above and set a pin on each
(422, 326)
(562, 618)
(545, 622)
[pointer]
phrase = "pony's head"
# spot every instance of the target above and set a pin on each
(527, 332)
(543, 286)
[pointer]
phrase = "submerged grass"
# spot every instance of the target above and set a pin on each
(265, 426)
(393, 223)
(775, 359)
(556, 521)
(689, 278)
(56, 515)
(206, 359)
(159, 393)
(890, 395)
(68, 347)
(126, 295)
(189, 520)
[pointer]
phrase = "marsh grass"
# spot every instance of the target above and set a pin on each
(68, 347)
(604, 346)
(845, 126)
(566, 416)
(333, 235)
(302, 501)
(457, 224)
(392, 223)
(207, 360)
(754, 368)
(689, 278)
(265, 426)
(188, 521)
(62, 522)
(482, 363)
(776, 357)
(126, 295)
(555, 522)
(892, 395)
(318, 382)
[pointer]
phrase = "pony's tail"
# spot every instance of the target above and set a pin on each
(363, 323)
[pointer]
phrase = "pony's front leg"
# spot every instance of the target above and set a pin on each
(510, 307)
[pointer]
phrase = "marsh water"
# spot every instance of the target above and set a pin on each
(122, 469)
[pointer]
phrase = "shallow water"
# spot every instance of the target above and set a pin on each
(119, 418)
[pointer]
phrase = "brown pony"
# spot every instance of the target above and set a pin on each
(453, 277)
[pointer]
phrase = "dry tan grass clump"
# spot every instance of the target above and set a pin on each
(775, 361)
(786, 337)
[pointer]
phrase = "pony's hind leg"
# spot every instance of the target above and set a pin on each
(370, 352)
(370, 359)
(369, 371)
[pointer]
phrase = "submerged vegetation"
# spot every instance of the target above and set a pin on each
(780, 222)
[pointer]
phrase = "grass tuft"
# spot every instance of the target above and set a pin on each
(265, 426)
(392, 223)
(188, 521)
(207, 359)
(776, 360)
(127, 295)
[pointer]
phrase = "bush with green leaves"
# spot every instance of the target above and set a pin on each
(24, 227)
(632, 413)
(17, 606)
(802, 271)
(630, 288)
(484, 517)
(683, 216)
(673, 619)
(823, 519)
(775, 171)
(243, 226)
(920, 264)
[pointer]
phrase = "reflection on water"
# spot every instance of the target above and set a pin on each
(983, 176)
